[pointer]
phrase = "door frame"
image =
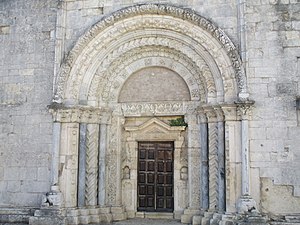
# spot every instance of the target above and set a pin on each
(144, 132)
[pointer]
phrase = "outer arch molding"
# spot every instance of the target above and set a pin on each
(153, 9)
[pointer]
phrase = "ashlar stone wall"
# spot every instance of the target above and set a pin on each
(27, 44)
(273, 40)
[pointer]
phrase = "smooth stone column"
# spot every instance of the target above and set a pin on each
(82, 165)
(102, 154)
(246, 203)
(55, 153)
(204, 162)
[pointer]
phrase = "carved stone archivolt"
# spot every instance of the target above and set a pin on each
(198, 77)
(119, 33)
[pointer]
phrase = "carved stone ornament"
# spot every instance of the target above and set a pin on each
(105, 31)
(155, 109)
(244, 109)
(109, 81)
(215, 113)
(80, 115)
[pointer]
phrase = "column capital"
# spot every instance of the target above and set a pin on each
(244, 109)
(213, 113)
(79, 114)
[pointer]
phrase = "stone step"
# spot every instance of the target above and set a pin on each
(155, 215)
(284, 223)
(15, 215)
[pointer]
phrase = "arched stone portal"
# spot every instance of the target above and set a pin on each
(99, 120)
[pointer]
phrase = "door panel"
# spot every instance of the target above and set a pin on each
(155, 176)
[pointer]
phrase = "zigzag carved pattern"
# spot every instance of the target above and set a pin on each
(91, 177)
(213, 166)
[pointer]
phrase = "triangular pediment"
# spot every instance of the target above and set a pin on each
(155, 125)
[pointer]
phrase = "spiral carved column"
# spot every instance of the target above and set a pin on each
(91, 178)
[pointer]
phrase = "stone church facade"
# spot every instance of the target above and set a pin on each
(113, 110)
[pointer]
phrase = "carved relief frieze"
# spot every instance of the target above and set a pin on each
(154, 109)
(81, 114)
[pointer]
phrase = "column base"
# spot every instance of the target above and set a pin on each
(53, 198)
(188, 215)
(207, 217)
(253, 218)
(118, 213)
(246, 205)
(215, 220)
(228, 219)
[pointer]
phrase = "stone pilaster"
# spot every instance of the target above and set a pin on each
(194, 182)
(69, 163)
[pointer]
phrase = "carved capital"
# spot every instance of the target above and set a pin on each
(229, 111)
(202, 117)
(81, 114)
(244, 109)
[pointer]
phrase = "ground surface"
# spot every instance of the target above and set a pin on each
(146, 222)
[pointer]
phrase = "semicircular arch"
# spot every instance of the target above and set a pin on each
(206, 41)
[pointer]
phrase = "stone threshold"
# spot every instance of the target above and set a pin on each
(154, 215)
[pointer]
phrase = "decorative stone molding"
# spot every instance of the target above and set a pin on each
(197, 75)
(105, 30)
(154, 109)
(80, 114)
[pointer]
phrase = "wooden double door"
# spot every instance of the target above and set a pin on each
(155, 176)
